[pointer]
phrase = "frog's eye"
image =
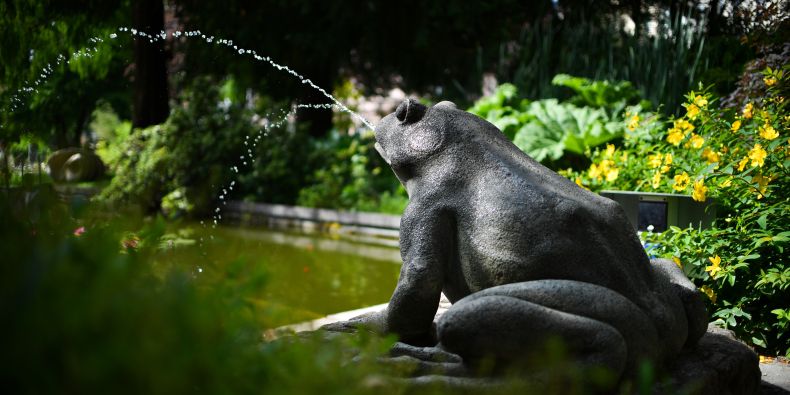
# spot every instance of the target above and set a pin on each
(446, 104)
(410, 111)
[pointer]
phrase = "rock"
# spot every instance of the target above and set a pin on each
(719, 364)
(776, 377)
(75, 164)
(58, 159)
(83, 167)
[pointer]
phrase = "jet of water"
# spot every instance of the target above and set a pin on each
(247, 158)
(16, 101)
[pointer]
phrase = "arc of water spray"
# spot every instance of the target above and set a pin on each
(279, 121)
(161, 36)
(87, 52)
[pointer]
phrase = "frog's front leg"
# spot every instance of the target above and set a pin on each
(426, 234)
(507, 322)
(426, 238)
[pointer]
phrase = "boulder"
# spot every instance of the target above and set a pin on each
(719, 364)
(74, 165)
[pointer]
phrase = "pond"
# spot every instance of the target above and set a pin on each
(308, 276)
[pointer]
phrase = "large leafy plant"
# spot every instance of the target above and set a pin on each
(555, 132)
(555, 129)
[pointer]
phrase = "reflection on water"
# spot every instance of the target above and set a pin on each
(308, 277)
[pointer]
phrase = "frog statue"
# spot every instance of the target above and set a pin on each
(523, 254)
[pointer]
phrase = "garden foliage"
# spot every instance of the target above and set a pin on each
(183, 164)
(549, 130)
(352, 176)
(739, 157)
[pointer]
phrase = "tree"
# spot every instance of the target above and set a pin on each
(150, 106)
(34, 34)
(426, 45)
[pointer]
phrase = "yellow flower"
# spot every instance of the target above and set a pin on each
(692, 111)
(743, 163)
(736, 125)
(677, 261)
(726, 183)
(668, 159)
(594, 172)
(665, 169)
(699, 190)
(747, 110)
(683, 125)
(656, 180)
(768, 132)
(757, 155)
(762, 184)
(605, 169)
(714, 269)
(696, 141)
(770, 80)
(675, 136)
(655, 161)
(710, 155)
(633, 122)
(624, 156)
(766, 359)
(708, 292)
(681, 182)
(612, 174)
(609, 150)
(578, 182)
(700, 101)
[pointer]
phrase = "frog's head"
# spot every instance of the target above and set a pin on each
(413, 134)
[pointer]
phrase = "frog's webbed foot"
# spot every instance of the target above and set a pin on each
(372, 322)
(598, 326)
(428, 354)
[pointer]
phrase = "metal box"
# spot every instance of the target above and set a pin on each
(662, 210)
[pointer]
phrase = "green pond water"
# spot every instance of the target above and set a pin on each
(307, 276)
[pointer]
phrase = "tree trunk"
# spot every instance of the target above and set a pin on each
(64, 136)
(150, 106)
(6, 167)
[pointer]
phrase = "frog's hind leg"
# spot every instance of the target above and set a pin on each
(599, 326)
(671, 277)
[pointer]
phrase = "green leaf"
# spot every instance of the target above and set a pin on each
(748, 257)
(559, 127)
(762, 221)
(784, 236)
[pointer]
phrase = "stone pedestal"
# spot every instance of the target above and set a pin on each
(719, 365)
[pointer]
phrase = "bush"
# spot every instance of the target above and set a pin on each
(560, 133)
(207, 142)
(740, 158)
(354, 177)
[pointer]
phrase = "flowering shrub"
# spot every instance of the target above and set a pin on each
(740, 158)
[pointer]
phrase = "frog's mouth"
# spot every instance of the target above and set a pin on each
(383, 153)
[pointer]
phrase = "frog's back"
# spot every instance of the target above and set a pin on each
(526, 222)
